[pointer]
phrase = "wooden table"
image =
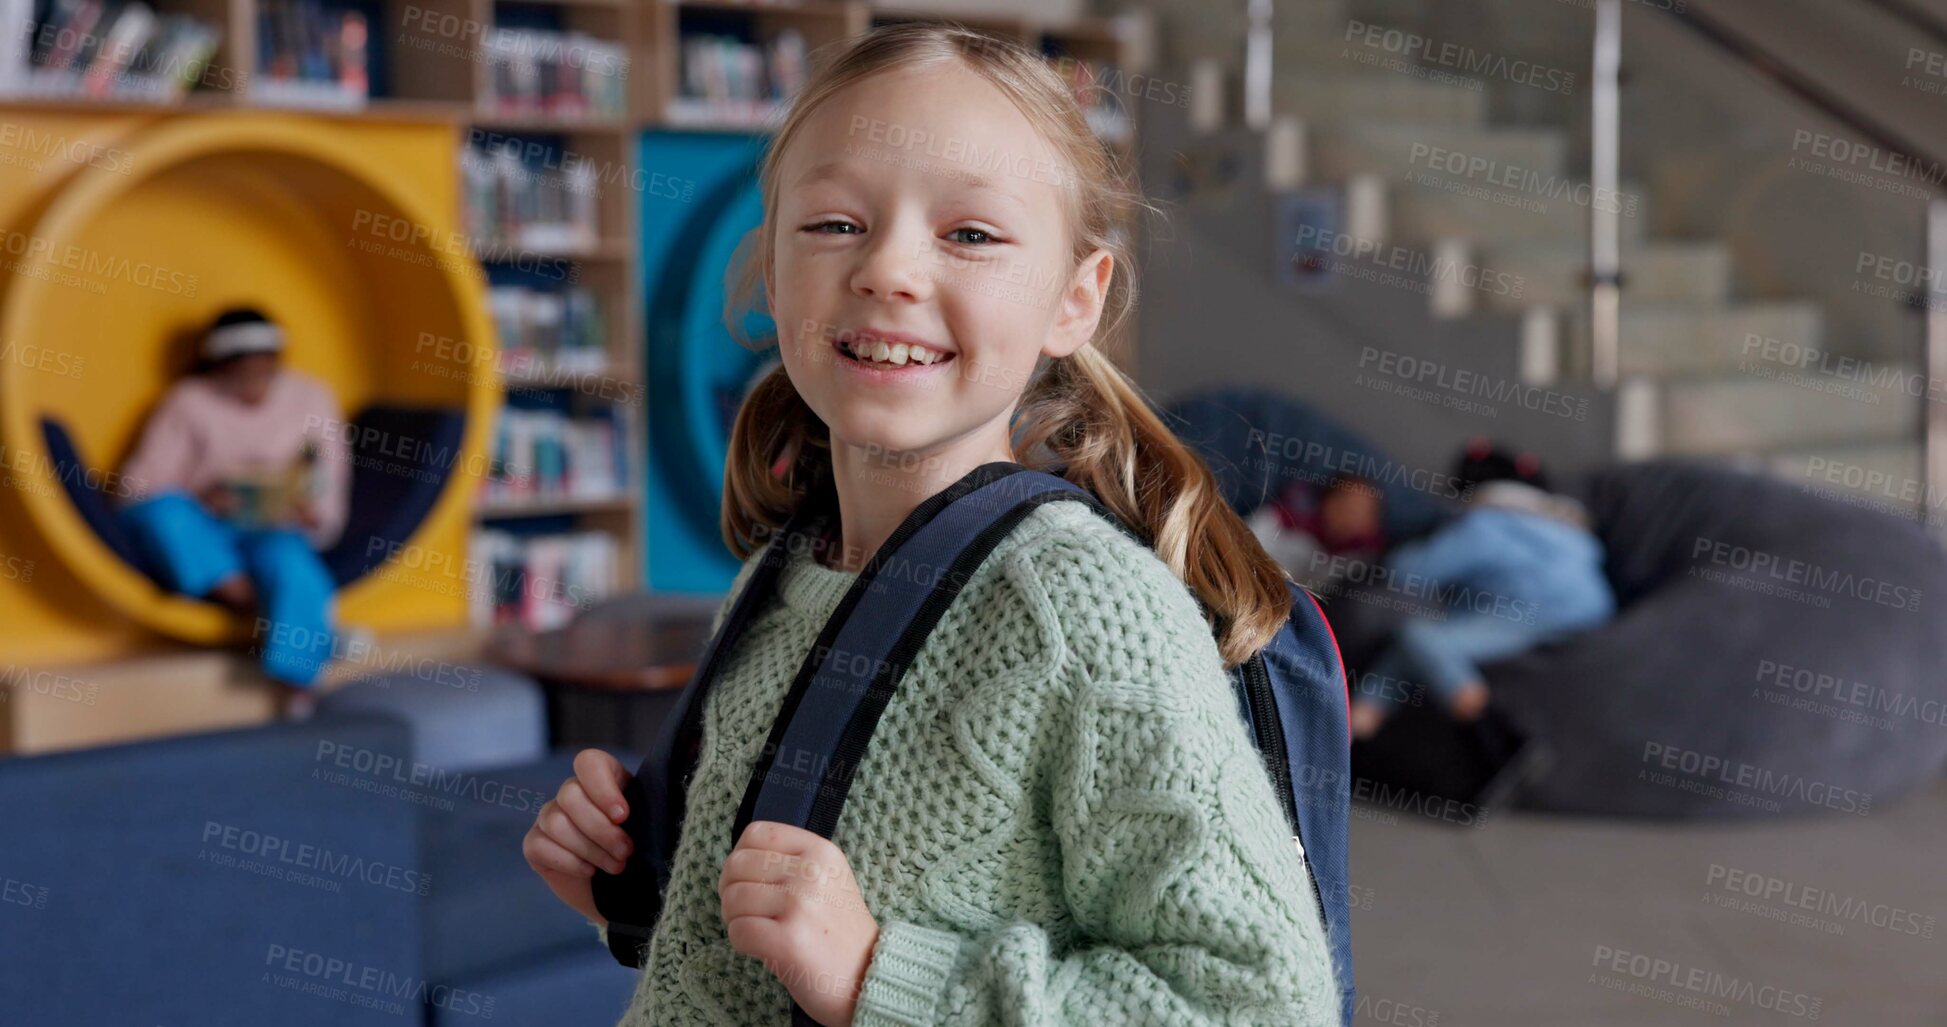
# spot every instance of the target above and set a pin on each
(614, 673)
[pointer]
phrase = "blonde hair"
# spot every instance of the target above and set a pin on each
(1095, 426)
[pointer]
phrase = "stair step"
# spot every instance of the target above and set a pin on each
(1729, 414)
(1555, 274)
(1682, 338)
(1429, 207)
(1885, 474)
(1484, 156)
(1322, 97)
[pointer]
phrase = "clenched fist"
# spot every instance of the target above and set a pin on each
(790, 899)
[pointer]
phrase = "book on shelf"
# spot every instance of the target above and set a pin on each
(558, 74)
(310, 55)
(101, 49)
(514, 198)
(729, 80)
(540, 581)
(547, 333)
(542, 456)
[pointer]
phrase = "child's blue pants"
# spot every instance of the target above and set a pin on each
(195, 551)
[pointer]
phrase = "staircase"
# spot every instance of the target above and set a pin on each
(1422, 163)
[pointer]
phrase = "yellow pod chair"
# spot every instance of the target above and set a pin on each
(343, 232)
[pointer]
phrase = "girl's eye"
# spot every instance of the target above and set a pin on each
(832, 228)
(971, 236)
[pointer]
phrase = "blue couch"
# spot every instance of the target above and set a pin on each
(294, 874)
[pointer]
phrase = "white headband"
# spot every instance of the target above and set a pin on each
(238, 339)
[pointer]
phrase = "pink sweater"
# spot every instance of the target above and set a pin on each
(198, 436)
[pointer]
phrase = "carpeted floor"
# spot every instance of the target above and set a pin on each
(1554, 922)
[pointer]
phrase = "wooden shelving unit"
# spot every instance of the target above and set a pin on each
(430, 62)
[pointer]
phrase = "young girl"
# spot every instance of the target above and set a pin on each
(244, 415)
(1061, 818)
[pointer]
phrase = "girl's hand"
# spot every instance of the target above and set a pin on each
(789, 899)
(578, 830)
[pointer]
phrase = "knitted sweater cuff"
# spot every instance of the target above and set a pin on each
(908, 974)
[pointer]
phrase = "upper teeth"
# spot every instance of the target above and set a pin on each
(896, 354)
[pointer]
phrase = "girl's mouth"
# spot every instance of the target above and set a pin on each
(880, 355)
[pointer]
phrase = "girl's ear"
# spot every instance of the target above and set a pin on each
(1081, 305)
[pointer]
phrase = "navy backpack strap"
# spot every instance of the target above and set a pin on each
(827, 719)
(828, 716)
(632, 900)
(1314, 729)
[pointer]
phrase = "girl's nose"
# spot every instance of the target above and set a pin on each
(893, 269)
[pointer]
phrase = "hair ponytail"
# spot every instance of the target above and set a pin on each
(1102, 434)
(779, 449)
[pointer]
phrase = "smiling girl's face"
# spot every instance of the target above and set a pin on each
(920, 209)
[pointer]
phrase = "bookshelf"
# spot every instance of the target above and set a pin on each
(698, 65)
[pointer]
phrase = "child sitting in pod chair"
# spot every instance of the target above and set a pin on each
(239, 482)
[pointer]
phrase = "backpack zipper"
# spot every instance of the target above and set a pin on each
(1264, 719)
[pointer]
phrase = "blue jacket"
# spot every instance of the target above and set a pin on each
(1545, 562)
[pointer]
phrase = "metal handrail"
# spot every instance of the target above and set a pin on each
(1605, 179)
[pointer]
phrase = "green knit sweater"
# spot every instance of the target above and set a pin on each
(1061, 819)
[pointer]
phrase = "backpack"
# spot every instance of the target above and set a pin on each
(1292, 696)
